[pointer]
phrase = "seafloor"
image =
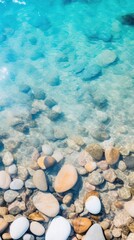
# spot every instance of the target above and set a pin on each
(67, 90)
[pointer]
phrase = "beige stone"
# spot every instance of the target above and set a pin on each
(112, 155)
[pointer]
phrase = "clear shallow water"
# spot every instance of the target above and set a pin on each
(47, 44)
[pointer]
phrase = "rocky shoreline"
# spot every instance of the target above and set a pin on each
(88, 198)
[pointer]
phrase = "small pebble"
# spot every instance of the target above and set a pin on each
(37, 228)
(47, 150)
(16, 184)
(93, 204)
(7, 159)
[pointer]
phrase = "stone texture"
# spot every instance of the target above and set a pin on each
(122, 218)
(90, 166)
(16, 184)
(95, 150)
(81, 224)
(22, 173)
(7, 159)
(94, 232)
(46, 203)
(39, 180)
(84, 157)
(3, 211)
(112, 155)
(106, 57)
(3, 225)
(10, 196)
(4, 180)
(124, 193)
(66, 178)
(47, 150)
(18, 227)
(95, 178)
(37, 228)
(109, 175)
(129, 207)
(93, 204)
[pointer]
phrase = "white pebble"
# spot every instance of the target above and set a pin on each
(12, 169)
(18, 227)
(47, 149)
(7, 159)
(4, 180)
(58, 227)
(93, 204)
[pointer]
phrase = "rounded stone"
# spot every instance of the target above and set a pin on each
(94, 232)
(12, 169)
(18, 227)
(93, 204)
(81, 224)
(47, 149)
(95, 150)
(46, 203)
(37, 228)
(22, 172)
(7, 159)
(39, 180)
(130, 236)
(109, 175)
(116, 232)
(5, 180)
(66, 178)
(90, 166)
(106, 57)
(58, 227)
(28, 236)
(16, 184)
(10, 196)
(129, 207)
(112, 155)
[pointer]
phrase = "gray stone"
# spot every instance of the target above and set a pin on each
(95, 178)
(109, 175)
(22, 172)
(29, 184)
(91, 72)
(129, 161)
(28, 236)
(94, 232)
(10, 196)
(7, 158)
(124, 193)
(16, 184)
(39, 180)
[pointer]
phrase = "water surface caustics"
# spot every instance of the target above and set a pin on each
(80, 54)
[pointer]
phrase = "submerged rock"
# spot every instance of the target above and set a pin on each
(128, 19)
(94, 232)
(106, 57)
(39, 180)
(95, 150)
(46, 203)
(66, 178)
(91, 72)
(93, 205)
(81, 224)
(58, 227)
(5, 180)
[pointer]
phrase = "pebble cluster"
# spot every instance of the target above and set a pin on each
(89, 199)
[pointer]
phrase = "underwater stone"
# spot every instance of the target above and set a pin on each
(50, 102)
(94, 232)
(106, 57)
(37, 55)
(1, 146)
(93, 205)
(100, 135)
(54, 116)
(33, 40)
(24, 88)
(128, 19)
(55, 81)
(129, 161)
(39, 94)
(95, 178)
(95, 150)
(11, 56)
(91, 72)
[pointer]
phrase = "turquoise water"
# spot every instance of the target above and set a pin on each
(51, 45)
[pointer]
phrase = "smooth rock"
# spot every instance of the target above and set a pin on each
(37, 228)
(57, 155)
(39, 180)
(36, 216)
(28, 236)
(4, 180)
(94, 233)
(112, 155)
(106, 57)
(29, 184)
(16, 184)
(130, 236)
(16, 207)
(47, 150)
(46, 203)
(46, 162)
(90, 166)
(81, 224)
(129, 207)
(7, 159)
(18, 227)
(109, 175)
(22, 173)
(66, 178)
(91, 72)
(3, 211)
(58, 227)
(3, 225)
(10, 196)
(93, 204)
(95, 150)
(12, 169)
(6, 236)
